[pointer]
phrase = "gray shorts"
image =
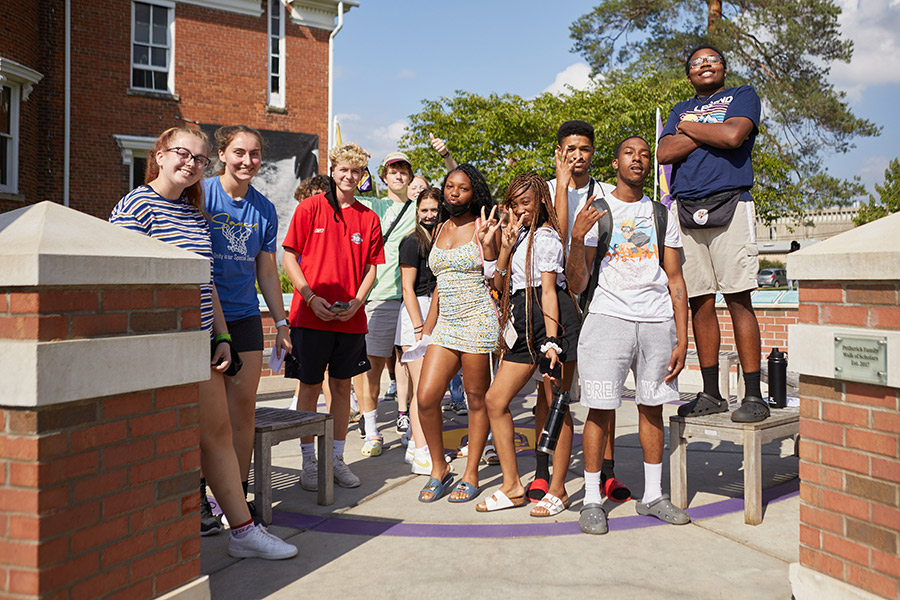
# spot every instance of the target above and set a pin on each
(381, 318)
(609, 347)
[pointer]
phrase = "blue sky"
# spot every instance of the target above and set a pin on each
(390, 55)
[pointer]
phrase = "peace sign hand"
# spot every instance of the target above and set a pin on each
(511, 232)
(488, 230)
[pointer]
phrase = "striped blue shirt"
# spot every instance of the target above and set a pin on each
(175, 222)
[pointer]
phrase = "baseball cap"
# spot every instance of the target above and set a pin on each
(395, 157)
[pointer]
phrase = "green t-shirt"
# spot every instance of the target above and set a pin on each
(387, 281)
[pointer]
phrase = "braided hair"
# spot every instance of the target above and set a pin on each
(545, 213)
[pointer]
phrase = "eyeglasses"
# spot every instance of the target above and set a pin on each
(184, 154)
(713, 59)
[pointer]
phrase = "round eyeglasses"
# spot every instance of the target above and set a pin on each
(184, 154)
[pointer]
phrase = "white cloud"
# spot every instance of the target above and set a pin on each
(405, 74)
(377, 140)
(873, 172)
(578, 76)
(873, 26)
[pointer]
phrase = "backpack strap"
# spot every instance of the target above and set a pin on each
(604, 232)
(661, 222)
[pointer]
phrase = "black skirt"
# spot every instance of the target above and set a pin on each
(569, 328)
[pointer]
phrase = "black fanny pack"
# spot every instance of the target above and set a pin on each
(712, 211)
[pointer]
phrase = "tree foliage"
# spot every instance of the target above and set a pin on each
(504, 135)
(888, 197)
(782, 47)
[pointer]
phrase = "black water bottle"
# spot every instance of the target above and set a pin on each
(777, 379)
(555, 420)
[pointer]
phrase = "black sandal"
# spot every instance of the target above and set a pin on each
(752, 410)
(703, 404)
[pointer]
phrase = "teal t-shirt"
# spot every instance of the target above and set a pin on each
(387, 281)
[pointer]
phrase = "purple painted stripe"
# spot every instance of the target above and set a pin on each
(369, 527)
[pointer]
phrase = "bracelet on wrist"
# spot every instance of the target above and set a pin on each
(309, 298)
(503, 272)
(222, 337)
(446, 154)
(281, 323)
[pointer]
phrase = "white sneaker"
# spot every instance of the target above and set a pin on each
(422, 462)
(309, 476)
(343, 476)
(354, 402)
(259, 543)
(410, 452)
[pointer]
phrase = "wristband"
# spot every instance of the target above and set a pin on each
(502, 272)
(309, 298)
(281, 323)
(418, 329)
(445, 155)
(222, 337)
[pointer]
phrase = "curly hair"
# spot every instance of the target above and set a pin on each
(481, 193)
(311, 186)
(193, 193)
(568, 128)
(546, 213)
(350, 154)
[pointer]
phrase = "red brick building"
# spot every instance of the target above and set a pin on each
(88, 85)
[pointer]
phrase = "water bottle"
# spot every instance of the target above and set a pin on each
(554, 423)
(777, 379)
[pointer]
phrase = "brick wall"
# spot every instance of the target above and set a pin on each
(98, 497)
(220, 77)
(849, 451)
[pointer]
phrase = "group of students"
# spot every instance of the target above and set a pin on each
(371, 276)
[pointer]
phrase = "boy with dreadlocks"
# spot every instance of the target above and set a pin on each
(530, 273)
(337, 242)
(637, 321)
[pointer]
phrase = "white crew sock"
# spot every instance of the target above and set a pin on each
(308, 451)
(371, 425)
(592, 488)
(339, 447)
(652, 482)
(410, 452)
(294, 401)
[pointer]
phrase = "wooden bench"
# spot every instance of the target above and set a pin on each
(782, 423)
(275, 425)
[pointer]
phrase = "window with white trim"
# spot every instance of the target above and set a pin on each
(152, 37)
(16, 84)
(134, 155)
(276, 53)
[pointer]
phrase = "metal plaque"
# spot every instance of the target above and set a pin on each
(860, 358)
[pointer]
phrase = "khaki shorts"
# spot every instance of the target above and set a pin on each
(722, 259)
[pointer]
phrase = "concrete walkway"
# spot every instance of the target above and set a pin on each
(378, 541)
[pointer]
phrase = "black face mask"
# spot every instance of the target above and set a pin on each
(456, 210)
(429, 227)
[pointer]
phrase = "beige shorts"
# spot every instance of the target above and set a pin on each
(722, 259)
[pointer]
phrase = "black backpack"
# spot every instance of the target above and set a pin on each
(604, 232)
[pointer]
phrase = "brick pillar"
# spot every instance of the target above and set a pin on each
(100, 355)
(849, 426)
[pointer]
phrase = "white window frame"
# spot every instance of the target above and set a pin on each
(170, 55)
(132, 146)
(20, 80)
(275, 99)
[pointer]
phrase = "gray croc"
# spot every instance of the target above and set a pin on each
(703, 404)
(752, 410)
(593, 519)
(663, 509)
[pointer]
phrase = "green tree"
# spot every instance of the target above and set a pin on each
(504, 135)
(888, 197)
(782, 47)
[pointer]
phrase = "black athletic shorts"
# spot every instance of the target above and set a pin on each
(569, 319)
(344, 354)
(246, 334)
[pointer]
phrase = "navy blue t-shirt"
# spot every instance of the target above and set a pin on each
(708, 170)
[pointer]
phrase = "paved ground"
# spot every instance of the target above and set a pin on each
(377, 541)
